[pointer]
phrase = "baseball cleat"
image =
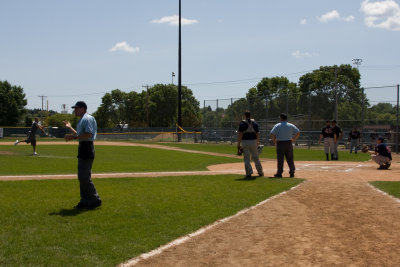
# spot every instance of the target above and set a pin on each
(16, 143)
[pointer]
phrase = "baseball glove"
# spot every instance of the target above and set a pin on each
(364, 149)
(240, 151)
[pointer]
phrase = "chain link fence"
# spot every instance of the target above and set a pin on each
(222, 116)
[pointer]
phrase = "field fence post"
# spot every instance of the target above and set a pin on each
(309, 119)
(266, 121)
(397, 121)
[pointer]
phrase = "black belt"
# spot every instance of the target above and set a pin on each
(285, 141)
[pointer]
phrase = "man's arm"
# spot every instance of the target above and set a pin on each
(273, 137)
(320, 138)
(69, 137)
(239, 140)
(258, 139)
(295, 137)
(41, 128)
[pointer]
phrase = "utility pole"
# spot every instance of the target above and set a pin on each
(266, 122)
(42, 97)
(357, 62)
(397, 121)
(336, 95)
(41, 115)
(147, 104)
(180, 73)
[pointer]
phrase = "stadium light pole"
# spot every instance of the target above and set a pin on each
(179, 75)
(357, 62)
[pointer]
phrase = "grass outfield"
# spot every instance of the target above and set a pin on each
(270, 152)
(392, 188)
(40, 228)
(61, 159)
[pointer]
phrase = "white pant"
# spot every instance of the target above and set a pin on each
(250, 151)
(329, 144)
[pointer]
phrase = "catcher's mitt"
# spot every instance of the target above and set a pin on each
(364, 149)
(240, 151)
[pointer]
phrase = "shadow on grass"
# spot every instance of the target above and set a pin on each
(68, 212)
(245, 179)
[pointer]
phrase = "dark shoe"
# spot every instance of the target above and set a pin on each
(278, 175)
(332, 157)
(261, 174)
(94, 205)
(386, 166)
(381, 168)
(81, 206)
(292, 175)
(327, 157)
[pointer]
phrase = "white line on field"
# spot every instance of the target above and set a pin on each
(384, 193)
(202, 230)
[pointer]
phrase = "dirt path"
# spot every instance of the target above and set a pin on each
(333, 219)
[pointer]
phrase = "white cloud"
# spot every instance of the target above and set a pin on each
(334, 15)
(299, 54)
(174, 21)
(382, 14)
(303, 22)
(349, 19)
(125, 47)
(329, 16)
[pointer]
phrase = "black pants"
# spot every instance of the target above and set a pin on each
(285, 149)
(85, 161)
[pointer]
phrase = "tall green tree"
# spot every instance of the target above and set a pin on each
(327, 84)
(155, 107)
(12, 103)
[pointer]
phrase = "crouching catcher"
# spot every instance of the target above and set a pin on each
(381, 155)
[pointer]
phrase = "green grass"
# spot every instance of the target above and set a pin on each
(270, 152)
(392, 188)
(61, 159)
(40, 228)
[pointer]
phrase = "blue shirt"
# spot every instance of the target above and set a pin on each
(87, 124)
(284, 131)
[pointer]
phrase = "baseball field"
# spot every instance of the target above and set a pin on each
(155, 194)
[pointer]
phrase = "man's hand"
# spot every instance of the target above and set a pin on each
(69, 137)
(67, 124)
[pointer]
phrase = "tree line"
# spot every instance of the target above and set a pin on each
(318, 95)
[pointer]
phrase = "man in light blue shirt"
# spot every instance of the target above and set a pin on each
(85, 132)
(284, 134)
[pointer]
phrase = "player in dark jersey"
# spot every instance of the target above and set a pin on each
(354, 139)
(249, 140)
(329, 140)
(381, 155)
(31, 137)
(339, 135)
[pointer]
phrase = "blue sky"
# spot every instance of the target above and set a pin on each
(79, 50)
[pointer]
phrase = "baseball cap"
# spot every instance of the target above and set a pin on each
(80, 104)
(283, 116)
(381, 138)
(334, 121)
